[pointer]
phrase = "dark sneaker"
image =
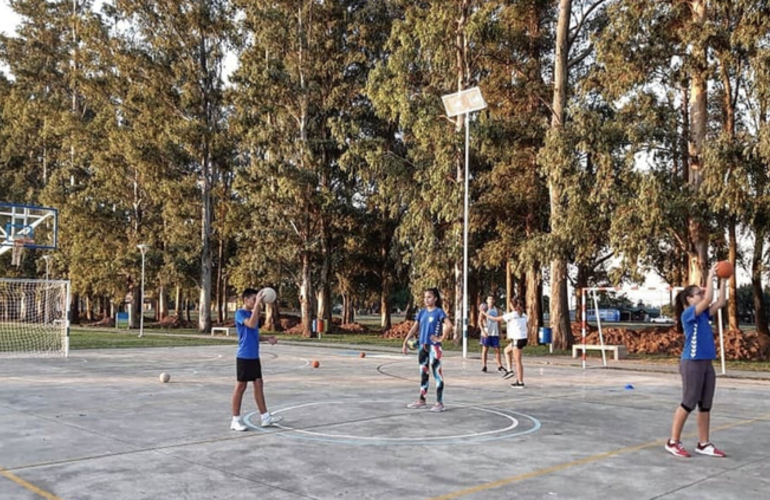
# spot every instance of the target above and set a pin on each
(676, 449)
(508, 375)
(484, 369)
(501, 369)
(518, 385)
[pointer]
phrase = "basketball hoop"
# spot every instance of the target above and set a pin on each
(19, 245)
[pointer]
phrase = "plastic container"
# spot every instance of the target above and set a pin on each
(544, 335)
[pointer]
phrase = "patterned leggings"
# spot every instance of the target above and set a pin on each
(430, 360)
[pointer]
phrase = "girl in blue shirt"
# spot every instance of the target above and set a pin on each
(693, 310)
(434, 326)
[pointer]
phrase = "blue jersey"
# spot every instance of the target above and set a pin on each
(248, 338)
(698, 338)
(430, 324)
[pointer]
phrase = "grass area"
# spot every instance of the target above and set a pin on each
(81, 338)
(88, 338)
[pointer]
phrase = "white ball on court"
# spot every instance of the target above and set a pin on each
(164, 377)
(268, 295)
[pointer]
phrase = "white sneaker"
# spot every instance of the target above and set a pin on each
(271, 420)
(237, 425)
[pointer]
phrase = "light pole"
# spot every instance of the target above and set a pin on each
(143, 248)
(465, 102)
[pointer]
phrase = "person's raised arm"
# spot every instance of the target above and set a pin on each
(721, 300)
(253, 320)
(708, 295)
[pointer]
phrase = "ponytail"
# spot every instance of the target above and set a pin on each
(680, 304)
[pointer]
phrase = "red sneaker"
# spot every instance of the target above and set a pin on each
(710, 450)
(676, 449)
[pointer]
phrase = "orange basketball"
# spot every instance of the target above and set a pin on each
(315, 364)
(724, 269)
(362, 354)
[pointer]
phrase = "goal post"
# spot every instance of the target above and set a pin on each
(670, 289)
(34, 318)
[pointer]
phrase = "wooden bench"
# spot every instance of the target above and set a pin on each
(224, 329)
(618, 351)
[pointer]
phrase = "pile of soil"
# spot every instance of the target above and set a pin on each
(110, 322)
(666, 340)
(351, 328)
(173, 322)
(400, 330)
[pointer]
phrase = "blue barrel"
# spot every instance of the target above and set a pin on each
(544, 335)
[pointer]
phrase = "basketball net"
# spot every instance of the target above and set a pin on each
(19, 245)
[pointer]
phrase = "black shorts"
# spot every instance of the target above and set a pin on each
(248, 370)
(520, 343)
(698, 383)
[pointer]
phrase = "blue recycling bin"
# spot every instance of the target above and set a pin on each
(544, 335)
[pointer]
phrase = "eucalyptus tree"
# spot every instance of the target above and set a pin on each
(514, 43)
(430, 53)
(576, 22)
(297, 89)
(733, 173)
(175, 50)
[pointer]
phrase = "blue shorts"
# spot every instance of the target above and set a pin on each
(490, 341)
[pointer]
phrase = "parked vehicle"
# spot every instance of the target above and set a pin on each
(662, 319)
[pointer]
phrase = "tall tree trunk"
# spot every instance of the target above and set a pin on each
(325, 278)
(162, 302)
(559, 305)
(698, 233)
(221, 286)
(760, 315)
(732, 304)
(136, 306)
(461, 78)
(306, 297)
(385, 305)
(204, 306)
(272, 317)
(534, 302)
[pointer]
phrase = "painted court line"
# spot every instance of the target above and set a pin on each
(582, 461)
(27, 485)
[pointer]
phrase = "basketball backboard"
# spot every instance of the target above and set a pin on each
(37, 226)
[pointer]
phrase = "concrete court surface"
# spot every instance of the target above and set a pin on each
(99, 425)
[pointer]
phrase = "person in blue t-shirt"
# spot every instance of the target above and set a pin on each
(434, 326)
(693, 309)
(248, 365)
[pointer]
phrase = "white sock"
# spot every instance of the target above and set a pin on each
(236, 418)
(265, 415)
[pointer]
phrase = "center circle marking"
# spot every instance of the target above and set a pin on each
(508, 431)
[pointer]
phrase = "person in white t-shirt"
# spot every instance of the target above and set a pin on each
(516, 321)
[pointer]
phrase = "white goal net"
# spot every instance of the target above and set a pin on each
(33, 318)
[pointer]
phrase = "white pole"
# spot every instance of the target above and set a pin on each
(143, 247)
(583, 329)
(721, 334)
(599, 325)
(465, 239)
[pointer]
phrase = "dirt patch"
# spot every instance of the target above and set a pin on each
(666, 340)
(400, 330)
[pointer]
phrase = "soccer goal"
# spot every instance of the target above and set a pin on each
(34, 318)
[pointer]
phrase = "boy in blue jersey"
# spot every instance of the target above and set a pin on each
(693, 309)
(248, 365)
(434, 326)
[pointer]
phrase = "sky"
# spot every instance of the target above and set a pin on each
(8, 19)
